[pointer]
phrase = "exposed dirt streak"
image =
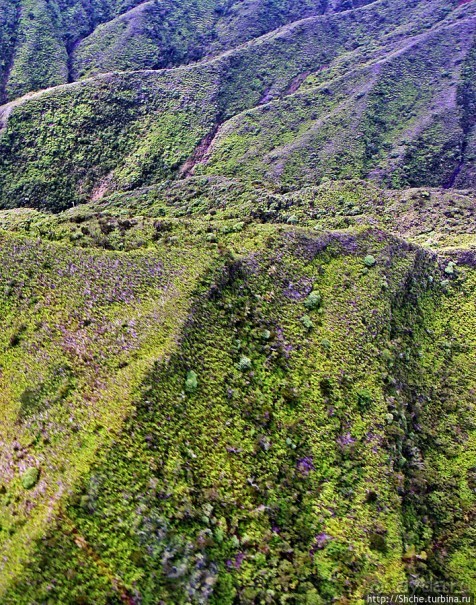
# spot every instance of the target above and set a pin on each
(296, 83)
(200, 154)
(456, 172)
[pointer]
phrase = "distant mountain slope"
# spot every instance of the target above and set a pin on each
(39, 37)
(163, 34)
(142, 127)
(9, 17)
(404, 118)
(50, 42)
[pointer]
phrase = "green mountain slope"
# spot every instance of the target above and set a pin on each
(237, 301)
(289, 444)
(138, 128)
(156, 35)
(52, 42)
(400, 119)
(39, 36)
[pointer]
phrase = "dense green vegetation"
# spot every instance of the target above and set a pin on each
(9, 15)
(237, 301)
(261, 109)
(291, 436)
(38, 35)
(48, 42)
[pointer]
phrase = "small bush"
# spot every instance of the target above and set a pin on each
(450, 268)
(369, 261)
(378, 542)
(244, 364)
(313, 301)
(30, 477)
(312, 597)
(191, 382)
(364, 399)
(16, 337)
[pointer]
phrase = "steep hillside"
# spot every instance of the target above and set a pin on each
(401, 119)
(52, 42)
(39, 36)
(309, 431)
(142, 127)
(237, 301)
(156, 35)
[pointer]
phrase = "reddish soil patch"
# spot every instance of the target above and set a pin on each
(200, 153)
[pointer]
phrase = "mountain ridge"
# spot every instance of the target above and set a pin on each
(237, 301)
(218, 72)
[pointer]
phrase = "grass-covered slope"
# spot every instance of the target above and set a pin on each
(40, 59)
(156, 35)
(308, 437)
(437, 219)
(46, 43)
(401, 119)
(51, 42)
(150, 36)
(37, 38)
(80, 329)
(9, 15)
(124, 130)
